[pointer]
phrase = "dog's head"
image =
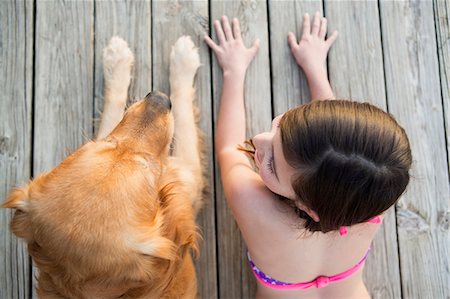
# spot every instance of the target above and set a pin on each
(114, 214)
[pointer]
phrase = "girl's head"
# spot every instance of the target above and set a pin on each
(340, 162)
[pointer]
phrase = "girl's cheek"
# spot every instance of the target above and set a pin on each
(268, 180)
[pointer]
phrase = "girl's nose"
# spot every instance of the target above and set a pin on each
(261, 140)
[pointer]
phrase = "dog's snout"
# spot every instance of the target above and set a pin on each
(159, 99)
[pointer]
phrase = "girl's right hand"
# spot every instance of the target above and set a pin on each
(311, 52)
(231, 53)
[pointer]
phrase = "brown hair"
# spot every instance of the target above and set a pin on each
(352, 159)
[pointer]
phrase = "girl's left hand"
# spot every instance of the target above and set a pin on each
(231, 53)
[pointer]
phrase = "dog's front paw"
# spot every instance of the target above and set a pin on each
(184, 62)
(117, 62)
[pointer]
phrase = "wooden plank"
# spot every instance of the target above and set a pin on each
(414, 98)
(64, 54)
(172, 19)
(236, 280)
(16, 62)
(442, 20)
(130, 20)
(290, 88)
(64, 78)
(356, 72)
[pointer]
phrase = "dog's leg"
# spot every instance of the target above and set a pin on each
(117, 62)
(184, 62)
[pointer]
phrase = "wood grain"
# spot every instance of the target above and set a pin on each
(442, 21)
(16, 50)
(393, 54)
(356, 72)
(171, 20)
(64, 52)
(289, 88)
(131, 20)
(236, 280)
(414, 98)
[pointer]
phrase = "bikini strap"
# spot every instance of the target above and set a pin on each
(376, 220)
(343, 230)
(318, 282)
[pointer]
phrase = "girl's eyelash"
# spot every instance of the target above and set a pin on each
(270, 165)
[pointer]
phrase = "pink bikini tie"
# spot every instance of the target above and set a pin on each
(343, 230)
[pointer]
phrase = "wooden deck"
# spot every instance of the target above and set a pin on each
(393, 54)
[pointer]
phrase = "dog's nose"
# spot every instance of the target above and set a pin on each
(159, 99)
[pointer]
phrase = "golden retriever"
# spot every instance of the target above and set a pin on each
(116, 219)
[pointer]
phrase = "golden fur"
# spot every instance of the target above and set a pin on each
(117, 217)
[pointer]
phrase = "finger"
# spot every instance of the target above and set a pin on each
(292, 40)
(323, 28)
(330, 40)
(315, 24)
(211, 44)
(219, 32)
(306, 25)
(227, 28)
(236, 29)
(255, 46)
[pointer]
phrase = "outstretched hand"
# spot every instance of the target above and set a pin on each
(311, 52)
(231, 53)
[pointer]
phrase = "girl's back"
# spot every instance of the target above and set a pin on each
(286, 253)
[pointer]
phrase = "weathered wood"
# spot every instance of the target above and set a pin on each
(172, 19)
(356, 72)
(64, 109)
(16, 50)
(130, 20)
(442, 20)
(63, 79)
(414, 98)
(64, 52)
(289, 88)
(236, 280)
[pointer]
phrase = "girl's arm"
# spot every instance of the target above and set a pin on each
(234, 59)
(245, 192)
(311, 54)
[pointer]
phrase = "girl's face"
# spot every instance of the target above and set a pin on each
(273, 168)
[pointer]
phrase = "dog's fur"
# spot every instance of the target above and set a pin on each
(117, 217)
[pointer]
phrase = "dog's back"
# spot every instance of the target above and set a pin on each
(101, 225)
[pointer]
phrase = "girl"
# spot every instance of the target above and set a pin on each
(326, 172)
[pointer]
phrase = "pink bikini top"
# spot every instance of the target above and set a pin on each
(318, 282)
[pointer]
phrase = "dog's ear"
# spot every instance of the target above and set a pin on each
(20, 224)
(150, 241)
(179, 213)
(17, 199)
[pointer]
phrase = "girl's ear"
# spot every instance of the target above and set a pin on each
(312, 214)
(308, 211)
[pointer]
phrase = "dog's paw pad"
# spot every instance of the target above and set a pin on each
(117, 52)
(184, 57)
(117, 60)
